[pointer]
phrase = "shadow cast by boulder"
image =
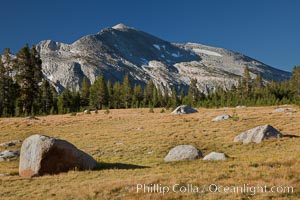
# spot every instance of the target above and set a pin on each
(291, 136)
(104, 166)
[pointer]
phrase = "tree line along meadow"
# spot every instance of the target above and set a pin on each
(25, 91)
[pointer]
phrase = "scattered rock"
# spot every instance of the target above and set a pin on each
(183, 152)
(221, 117)
(10, 143)
(288, 110)
(47, 155)
(2, 175)
(7, 154)
(215, 156)
(258, 134)
(184, 109)
(32, 118)
(241, 106)
(119, 143)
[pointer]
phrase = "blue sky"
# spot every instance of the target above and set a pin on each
(267, 30)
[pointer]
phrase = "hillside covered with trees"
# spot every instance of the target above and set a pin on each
(24, 91)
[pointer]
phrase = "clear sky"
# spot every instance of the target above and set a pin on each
(267, 30)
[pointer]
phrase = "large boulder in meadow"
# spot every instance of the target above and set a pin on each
(258, 134)
(184, 109)
(221, 117)
(215, 156)
(42, 154)
(183, 152)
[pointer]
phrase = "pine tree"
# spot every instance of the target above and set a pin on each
(11, 88)
(148, 93)
(99, 94)
(2, 87)
(46, 97)
(295, 81)
(29, 75)
(174, 98)
(126, 92)
(85, 93)
(193, 93)
(246, 82)
(165, 99)
(117, 92)
(110, 94)
(65, 101)
(137, 96)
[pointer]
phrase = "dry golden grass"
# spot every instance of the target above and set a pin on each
(139, 140)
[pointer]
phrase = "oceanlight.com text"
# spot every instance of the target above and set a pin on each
(209, 188)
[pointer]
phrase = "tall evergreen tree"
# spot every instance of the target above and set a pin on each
(46, 97)
(29, 75)
(65, 101)
(2, 87)
(110, 93)
(246, 82)
(137, 96)
(295, 81)
(85, 93)
(117, 93)
(99, 94)
(193, 93)
(126, 92)
(174, 98)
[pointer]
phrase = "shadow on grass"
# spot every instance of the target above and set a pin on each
(291, 136)
(104, 166)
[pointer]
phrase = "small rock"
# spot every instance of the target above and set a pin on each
(183, 152)
(241, 106)
(184, 109)
(10, 143)
(32, 118)
(289, 110)
(119, 143)
(215, 156)
(7, 154)
(258, 134)
(221, 117)
(2, 175)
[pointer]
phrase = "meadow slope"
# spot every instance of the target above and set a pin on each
(130, 146)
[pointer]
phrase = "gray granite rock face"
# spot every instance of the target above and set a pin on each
(258, 134)
(183, 152)
(47, 155)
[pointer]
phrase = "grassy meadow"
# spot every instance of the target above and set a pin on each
(130, 146)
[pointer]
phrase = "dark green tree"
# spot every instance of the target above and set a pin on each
(295, 81)
(126, 92)
(99, 94)
(46, 97)
(246, 82)
(85, 93)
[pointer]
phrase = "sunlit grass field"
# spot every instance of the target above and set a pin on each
(130, 146)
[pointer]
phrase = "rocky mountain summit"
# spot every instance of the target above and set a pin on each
(119, 50)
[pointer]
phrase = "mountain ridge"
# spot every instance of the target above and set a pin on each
(121, 49)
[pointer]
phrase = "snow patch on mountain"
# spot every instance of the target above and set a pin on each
(207, 52)
(156, 46)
